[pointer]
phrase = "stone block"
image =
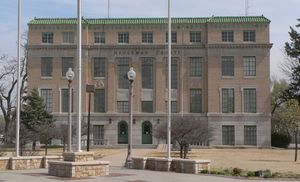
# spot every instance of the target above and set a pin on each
(4, 163)
(139, 162)
(78, 156)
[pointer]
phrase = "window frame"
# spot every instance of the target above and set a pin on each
(47, 37)
(65, 61)
(44, 62)
(68, 37)
(228, 138)
(99, 38)
(230, 108)
(147, 68)
(227, 66)
(195, 37)
(196, 107)
(250, 138)
(99, 98)
(196, 66)
(147, 37)
(253, 102)
(249, 36)
(47, 98)
(227, 36)
(101, 67)
(122, 106)
(123, 37)
(249, 66)
(173, 37)
(144, 106)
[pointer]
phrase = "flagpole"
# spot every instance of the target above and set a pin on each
(169, 81)
(18, 78)
(79, 29)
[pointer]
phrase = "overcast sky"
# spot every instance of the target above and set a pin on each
(282, 13)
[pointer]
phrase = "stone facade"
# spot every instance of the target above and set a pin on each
(210, 49)
(26, 162)
(176, 165)
(78, 165)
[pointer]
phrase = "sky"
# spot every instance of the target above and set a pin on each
(282, 13)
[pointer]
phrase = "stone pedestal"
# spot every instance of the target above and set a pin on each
(78, 165)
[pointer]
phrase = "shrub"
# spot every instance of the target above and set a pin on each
(204, 171)
(236, 171)
(280, 140)
(267, 174)
(250, 174)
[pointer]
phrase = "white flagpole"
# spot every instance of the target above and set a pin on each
(18, 78)
(79, 29)
(169, 81)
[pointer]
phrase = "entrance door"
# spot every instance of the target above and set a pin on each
(146, 133)
(122, 132)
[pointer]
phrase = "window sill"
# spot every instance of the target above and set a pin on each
(227, 77)
(249, 77)
(99, 78)
(99, 43)
(46, 78)
(66, 43)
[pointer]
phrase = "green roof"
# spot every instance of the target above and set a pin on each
(138, 21)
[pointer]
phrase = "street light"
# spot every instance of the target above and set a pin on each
(131, 76)
(89, 89)
(70, 77)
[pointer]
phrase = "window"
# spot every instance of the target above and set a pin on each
(147, 37)
(64, 102)
(123, 37)
(173, 73)
(227, 66)
(147, 73)
(99, 100)
(123, 68)
(250, 135)
(46, 67)
(99, 37)
(66, 63)
(250, 100)
(249, 36)
(47, 96)
(195, 37)
(47, 37)
(227, 100)
(98, 134)
(99, 67)
(227, 36)
(174, 107)
(147, 106)
(228, 135)
(68, 37)
(195, 101)
(196, 66)
(122, 106)
(173, 37)
(249, 66)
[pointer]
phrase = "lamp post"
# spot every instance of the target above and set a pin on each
(70, 77)
(89, 89)
(131, 76)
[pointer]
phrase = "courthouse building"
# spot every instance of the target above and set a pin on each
(220, 74)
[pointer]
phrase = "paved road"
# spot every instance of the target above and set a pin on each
(117, 174)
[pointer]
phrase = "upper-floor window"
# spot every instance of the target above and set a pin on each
(147, 106)
(64, 100)
(227, 66)
(99, 100)
(195, 101)
(195, 37)
(174, 108)
(99, 67)
(122, 106)
(249, 36)
(147, 72)
(227, 100)
(174, 73)
(99, 37)
(47, 96)
(123, 68)
(66, 63)
(147, 37)
(249, 100)
(68, 37)
(173, 37)
(249, 66)
(196, 66)
(46, 67)
(47, 37)
(123, 37)
(227, 36)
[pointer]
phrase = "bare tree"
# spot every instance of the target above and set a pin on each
(8, 85)
(185, 131)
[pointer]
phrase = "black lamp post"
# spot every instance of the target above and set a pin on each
(131, 76)
(70, 77)
(89, 89)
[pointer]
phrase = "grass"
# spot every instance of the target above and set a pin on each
(278, 160)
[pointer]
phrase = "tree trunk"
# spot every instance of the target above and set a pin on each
(296, 145)
(46, 148)
(64, 144)
(181, 150)
(33, 145)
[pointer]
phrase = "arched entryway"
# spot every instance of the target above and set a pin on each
(122, 132)
(146, 132)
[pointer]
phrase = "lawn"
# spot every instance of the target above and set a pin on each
(277, 160)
